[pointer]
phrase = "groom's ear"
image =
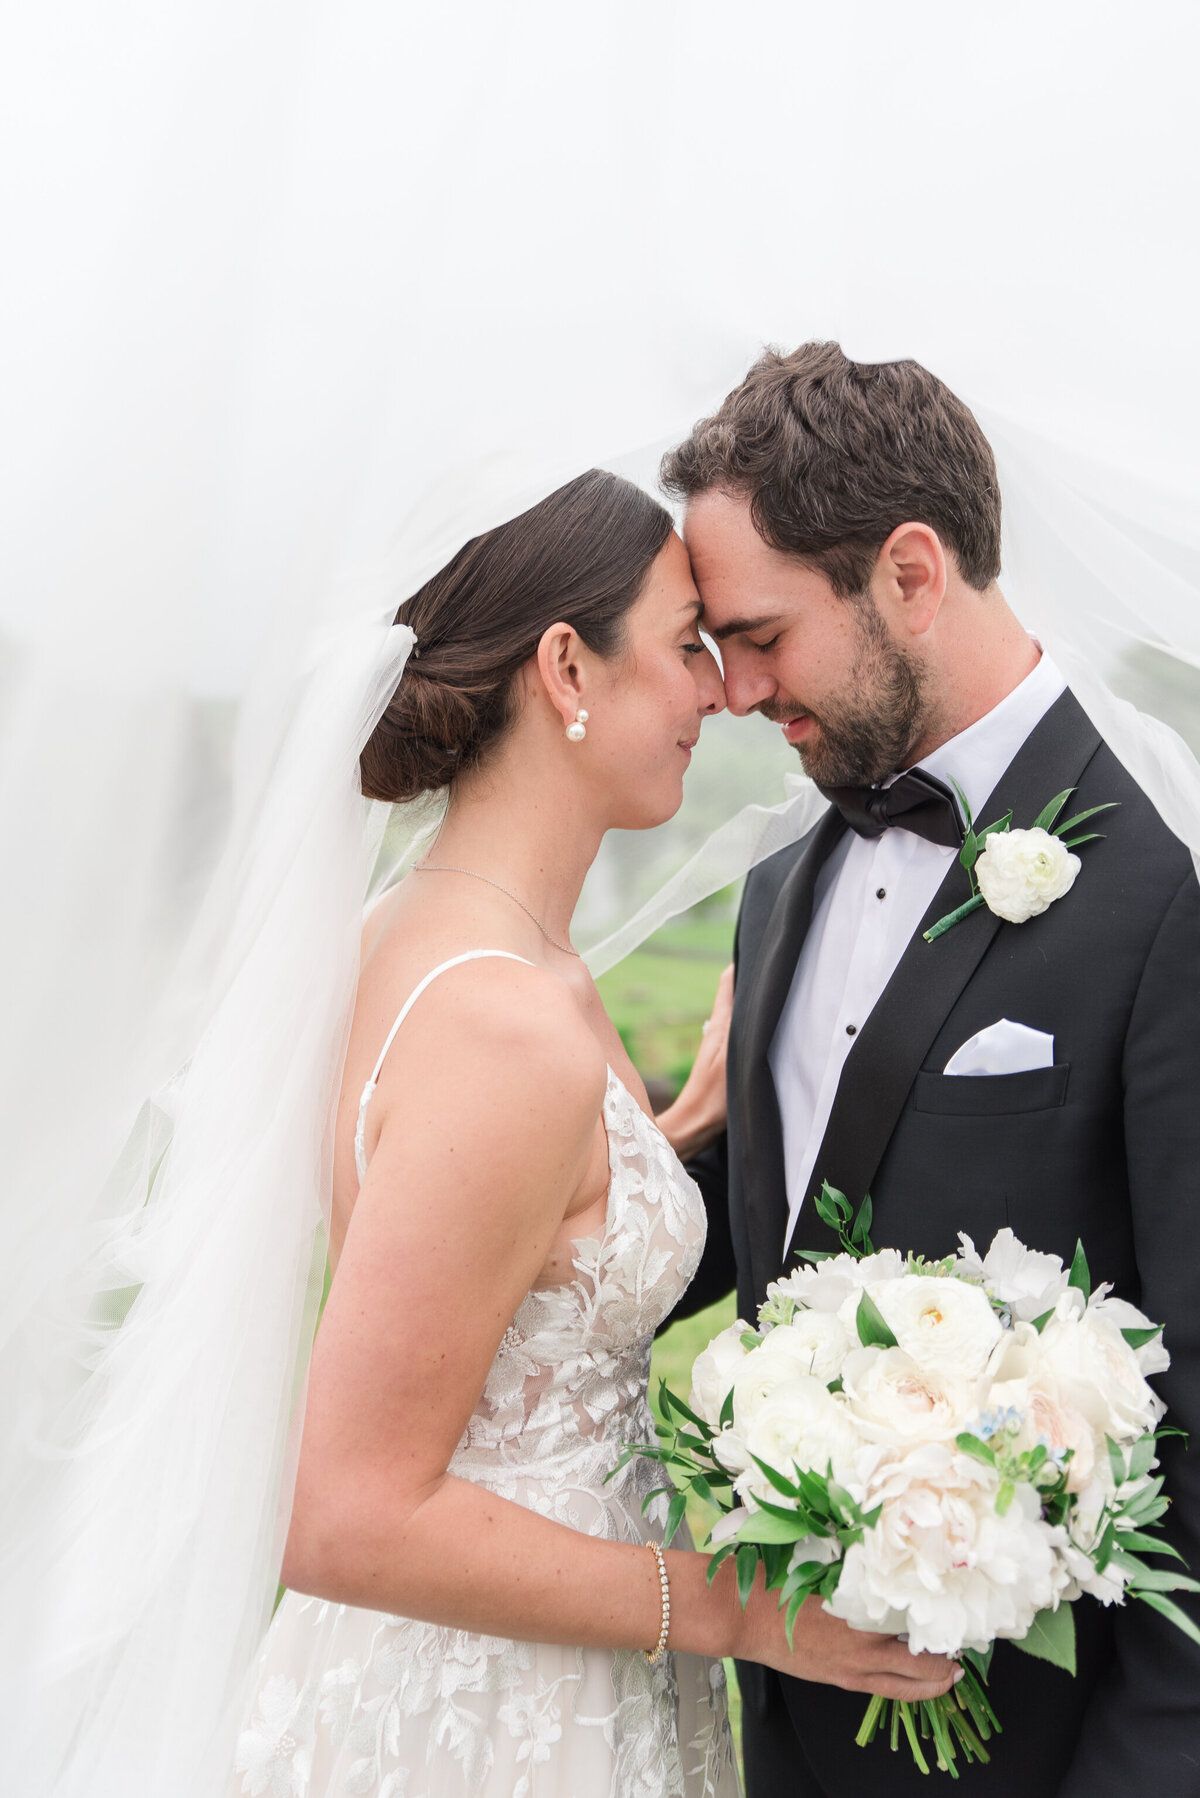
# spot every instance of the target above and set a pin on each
(909, 580)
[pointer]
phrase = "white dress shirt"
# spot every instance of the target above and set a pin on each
(870, 897)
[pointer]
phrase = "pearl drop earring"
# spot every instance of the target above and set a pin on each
(578, 731)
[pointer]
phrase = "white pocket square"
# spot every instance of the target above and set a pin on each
(1003, 1048)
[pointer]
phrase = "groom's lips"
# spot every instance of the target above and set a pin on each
(796, 729)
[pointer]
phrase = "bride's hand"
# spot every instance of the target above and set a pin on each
(827, 1650)
(697, 1116)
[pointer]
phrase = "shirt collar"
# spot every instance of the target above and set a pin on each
(977, 757)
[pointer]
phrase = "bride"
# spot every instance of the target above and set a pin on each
(476, 1603)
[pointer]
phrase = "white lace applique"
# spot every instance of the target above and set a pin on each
(358, 1703)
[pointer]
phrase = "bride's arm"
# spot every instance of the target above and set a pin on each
(490, 1114)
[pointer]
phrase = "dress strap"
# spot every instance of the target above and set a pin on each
(360, 1154)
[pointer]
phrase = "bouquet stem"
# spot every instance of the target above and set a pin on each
(961, 1721)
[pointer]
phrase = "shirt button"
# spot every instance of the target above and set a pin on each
(881, 892)
(851, 1029)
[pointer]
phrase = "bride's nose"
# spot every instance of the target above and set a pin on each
(712, 687)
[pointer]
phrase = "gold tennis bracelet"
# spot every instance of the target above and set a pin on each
(654, 1655)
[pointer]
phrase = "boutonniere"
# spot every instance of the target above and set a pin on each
(1018, 874)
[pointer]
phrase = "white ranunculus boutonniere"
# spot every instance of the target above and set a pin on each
(1022, 872)
(1018, 874)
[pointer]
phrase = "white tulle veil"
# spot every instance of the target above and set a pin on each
(278, 311)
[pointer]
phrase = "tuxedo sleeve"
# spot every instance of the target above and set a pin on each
(1143, 1728)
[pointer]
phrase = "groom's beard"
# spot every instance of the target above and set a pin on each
(867, 733)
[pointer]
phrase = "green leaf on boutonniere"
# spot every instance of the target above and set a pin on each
(1060, 830)
(1049, 813)
(1139, 1338)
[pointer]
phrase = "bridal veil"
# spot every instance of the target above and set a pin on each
(291, 282)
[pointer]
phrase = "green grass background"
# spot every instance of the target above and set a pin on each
(658, 997)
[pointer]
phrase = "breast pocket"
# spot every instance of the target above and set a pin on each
(991, 1095)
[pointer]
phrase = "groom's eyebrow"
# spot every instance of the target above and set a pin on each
(737, 626)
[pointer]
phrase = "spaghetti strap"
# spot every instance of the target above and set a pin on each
(360, 1154)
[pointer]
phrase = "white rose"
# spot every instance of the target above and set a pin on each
(817, 1342)
(713, 1371)
(893, 1399)
(1049, 1418)
(1022, 872)
(941, 1564)
(1153, 1356)
(1097, 1372)
(1029, 1283)
(802, 1424)
(1021, 1379)
(826, 1285)
(942, 1323)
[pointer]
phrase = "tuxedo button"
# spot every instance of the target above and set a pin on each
(851, 1029)
(881, 892)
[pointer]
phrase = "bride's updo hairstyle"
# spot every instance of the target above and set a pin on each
(579, 557)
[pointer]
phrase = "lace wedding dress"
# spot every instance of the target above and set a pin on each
(355, 1702)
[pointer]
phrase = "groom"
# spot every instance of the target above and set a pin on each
(843, 522)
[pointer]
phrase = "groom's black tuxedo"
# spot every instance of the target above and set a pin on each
(1104, 1146)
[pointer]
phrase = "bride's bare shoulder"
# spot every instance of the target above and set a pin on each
(497, 1016)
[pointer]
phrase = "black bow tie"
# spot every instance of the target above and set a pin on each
(916, 802)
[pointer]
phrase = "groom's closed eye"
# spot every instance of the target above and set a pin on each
(742, 627)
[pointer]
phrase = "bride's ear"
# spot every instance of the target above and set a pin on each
(559, 664)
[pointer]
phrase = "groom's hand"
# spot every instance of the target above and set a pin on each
(827, 1650)
(697, 1116)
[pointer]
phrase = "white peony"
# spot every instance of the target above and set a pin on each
(1022, 872)
(1097, 1372)
(893, 1399)
(802, 1424)
(713, 1371)
(942, 1323)
(941, 1564)
(1029, 1283)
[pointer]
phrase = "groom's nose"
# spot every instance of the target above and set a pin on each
(745, 685)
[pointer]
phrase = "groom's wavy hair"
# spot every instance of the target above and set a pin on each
(834, 454)
(578, 557)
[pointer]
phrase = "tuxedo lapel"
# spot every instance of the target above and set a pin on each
(760, 1131)
(880, 1069)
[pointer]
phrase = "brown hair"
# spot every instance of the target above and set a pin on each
(579, 557)
(834, 454)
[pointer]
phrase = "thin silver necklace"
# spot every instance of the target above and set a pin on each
(428, 868)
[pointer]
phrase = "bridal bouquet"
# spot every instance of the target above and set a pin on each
(953, 1451)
